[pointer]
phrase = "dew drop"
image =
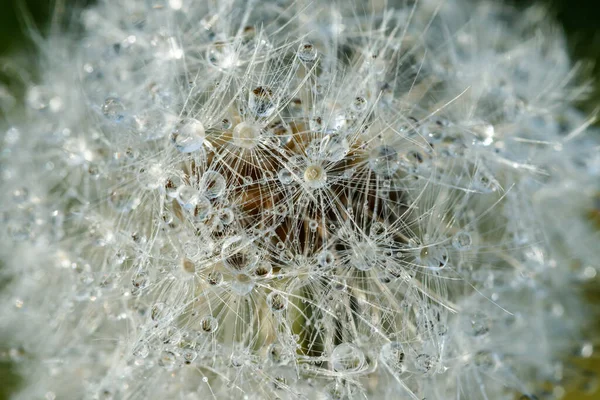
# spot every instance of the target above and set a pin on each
(122, 201)
(187, 197)
(277, 302)
(189, 356)
(307, 52)
(359, 104)
(208, 324)
(334, 147)
(214, 278)
(277, 354)
(212, 184)
(285, 176)
(434, 257)
(424, 363)
(202, 209)
(242, 284)
(113, 109)
(326, 259)
(167, 360)
(346, 357)
(462, 241)
(222, 55)
(246, 135)
(392, 354)
(226, 216)
(261, 102)
(189, 135)
(142, 350)
(263, 270)
(239, 254)
(139, 280)
(315, 176)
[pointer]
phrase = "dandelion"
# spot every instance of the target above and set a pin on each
(298, 200)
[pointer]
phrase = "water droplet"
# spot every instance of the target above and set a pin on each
(315, 176)
(159, 311)
(239, 254)
(363, 256)
(261, 102)
(277, 302)
(392, 354)
(278, 355)
(113, 109)
(168, 360)
(383, 160)
(285, 176)
(307, 52)
(434, 257)
(226, 216)
(263, 270)
(326, 259)
(142, 350)
(246, 135)
(242, 284)
(359, 104)
(170, 335)
(462, 241)
(187, 197)
(140, 280)
(208, 324)
(189, 135)
(484, 360)
(334, 147)
(189, 356)
(280, 131)
(346, 357)
(214, 278)
(424, 363)
(202, 209)
(222, 55)
(212, 184)
(480, 324)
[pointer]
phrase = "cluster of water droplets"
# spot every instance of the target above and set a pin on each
(260, 201)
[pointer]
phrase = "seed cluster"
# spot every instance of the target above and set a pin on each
(289, 199)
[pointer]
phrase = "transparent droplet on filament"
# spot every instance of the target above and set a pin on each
(189, 136)
(277, 302)
(346, 357)
(334, 147)
(462, 241)
(222, 55)
(188, 197)
(239, 254)
(113, 109)
(260, 102)
(208, 324)
(307, 52)
(392, 354)
(212, 184)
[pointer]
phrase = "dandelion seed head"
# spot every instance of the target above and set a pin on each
(298, 200)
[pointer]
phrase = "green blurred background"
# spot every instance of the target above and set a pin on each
(580, 19)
